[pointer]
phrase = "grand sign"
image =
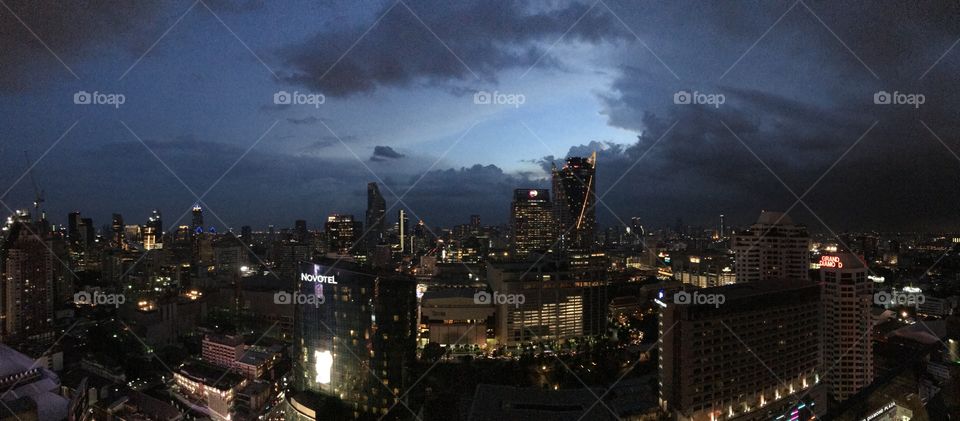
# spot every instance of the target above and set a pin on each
(831, 262)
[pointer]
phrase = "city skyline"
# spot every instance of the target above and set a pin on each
(604, 82)
(392, 210)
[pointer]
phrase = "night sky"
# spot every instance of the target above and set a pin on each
(399, 79)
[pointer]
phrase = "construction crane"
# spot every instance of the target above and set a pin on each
(37, 193)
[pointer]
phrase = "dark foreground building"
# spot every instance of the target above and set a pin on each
(354, 337)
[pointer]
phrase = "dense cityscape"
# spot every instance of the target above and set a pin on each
(237, 210)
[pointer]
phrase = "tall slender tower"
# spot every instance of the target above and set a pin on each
(574, 189)
(376, 215)
(847, 294)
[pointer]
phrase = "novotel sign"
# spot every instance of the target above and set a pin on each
(320, 279)
(831, 262)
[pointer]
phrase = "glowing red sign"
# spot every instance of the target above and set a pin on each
(831, 262)
(533, 194)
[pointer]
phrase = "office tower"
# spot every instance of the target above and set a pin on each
(342, 232)
(118, 236)
(722, 227)
(365, 324)
(774, 248)
(751, 355)
(197, 225)
(402, 222)
(300, 233)
(574, 190)
(375, 217)
(153, 231)
(847, 295)
(88, 234)
(73, 231)
(246, 233)
(29, 284)
(531, 222)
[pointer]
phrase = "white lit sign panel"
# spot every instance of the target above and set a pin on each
(323, 366)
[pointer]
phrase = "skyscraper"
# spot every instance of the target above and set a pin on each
(118, 236)
(574, 189)
(28, 279)
(774, 248)
(531, 222)
(342, 232)
(153, 231)
(402, 221)
(847, 295)
(375, 217)
(365, 323)
(197, 225)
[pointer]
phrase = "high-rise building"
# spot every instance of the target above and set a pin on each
(364, 323)
(774, 248)
(73, 231)
(375, 217)
(403, 222)
(117, 233)
(153, 231)
(739, 352)
(300, 233)
(847, 295)
(28, 284)
(531, 222)
(342, 232)
(197, 224)
(574, 189)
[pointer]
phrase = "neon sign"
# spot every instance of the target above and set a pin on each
(831, 262)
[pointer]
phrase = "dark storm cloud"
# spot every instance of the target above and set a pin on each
(383, 153)
(489, 36)
(70, 29)
(799, 99)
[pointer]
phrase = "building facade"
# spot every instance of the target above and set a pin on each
(774, 248)
(753, 356)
